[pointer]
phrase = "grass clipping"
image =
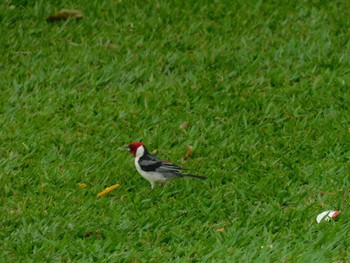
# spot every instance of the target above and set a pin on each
(108, 189)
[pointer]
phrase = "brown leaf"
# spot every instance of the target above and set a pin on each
(188, 153)
(64, 14)
(97, 234)
(185, 125)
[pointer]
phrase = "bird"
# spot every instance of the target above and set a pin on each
(154, 169)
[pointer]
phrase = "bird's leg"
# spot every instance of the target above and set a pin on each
(152, 186)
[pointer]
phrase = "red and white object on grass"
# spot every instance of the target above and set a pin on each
(327, 215)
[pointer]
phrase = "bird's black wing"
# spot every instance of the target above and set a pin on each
(149, 163)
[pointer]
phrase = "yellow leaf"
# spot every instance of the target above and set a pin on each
(107, 190)
(82, 185)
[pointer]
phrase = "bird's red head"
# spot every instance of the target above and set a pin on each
(133, 147)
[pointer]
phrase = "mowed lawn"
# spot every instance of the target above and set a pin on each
(265, 86)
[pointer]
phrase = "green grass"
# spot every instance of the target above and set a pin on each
(265, 86)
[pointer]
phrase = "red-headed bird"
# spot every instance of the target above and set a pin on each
(154, 169)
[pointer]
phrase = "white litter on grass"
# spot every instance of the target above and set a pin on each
(327, 215)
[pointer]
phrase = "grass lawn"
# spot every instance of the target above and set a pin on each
(265, 86)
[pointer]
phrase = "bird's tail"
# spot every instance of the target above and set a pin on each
(195, 176)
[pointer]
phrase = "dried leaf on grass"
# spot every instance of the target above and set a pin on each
(185, 125)
(107, 190)
(220, 230)
(188, 153)
(88, 234)
(82, 185)
(64, 14)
